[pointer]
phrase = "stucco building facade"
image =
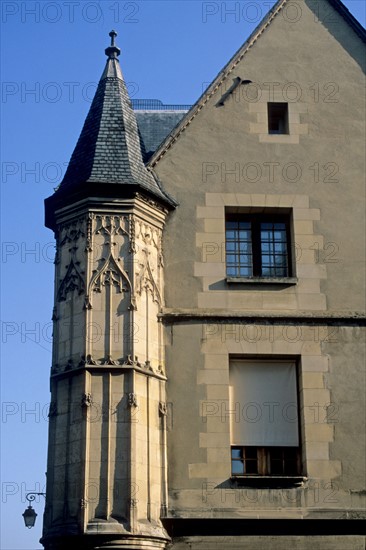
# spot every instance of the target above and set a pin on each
(208, 367)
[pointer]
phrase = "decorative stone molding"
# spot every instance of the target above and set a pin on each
(147, 365)
(89, 233)
(161, 370)
(86, 400)
(133, 305)
(132, 400)
(160, 251)
(145, 279)
(132, 224)
(110, 274)
(111, 225)
(129, 360)
(88, 360)
(73, 280)
(163, 411)
(71, 232)
(352, 514)
(110, 361)
(152, 203)
(148, 234)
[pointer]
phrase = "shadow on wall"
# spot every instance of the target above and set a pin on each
(323, 12)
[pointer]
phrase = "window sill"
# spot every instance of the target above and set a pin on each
(268, 482)
(262, 280)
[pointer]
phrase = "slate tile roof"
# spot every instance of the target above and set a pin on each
(109, 149)
(155, 126)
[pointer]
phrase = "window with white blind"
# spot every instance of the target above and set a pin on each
(264, 424)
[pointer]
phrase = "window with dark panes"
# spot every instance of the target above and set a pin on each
(278, 118)
(258, 246)
(239, 255)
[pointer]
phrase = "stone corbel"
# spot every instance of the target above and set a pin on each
(132, 400)
(147, 365)
(110, 361)
(86, 400)
(161, 370)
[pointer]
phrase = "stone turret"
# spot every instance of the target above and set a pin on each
(106, 475)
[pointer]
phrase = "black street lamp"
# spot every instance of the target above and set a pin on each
(29, 514)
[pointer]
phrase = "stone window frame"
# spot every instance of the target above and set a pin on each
(278, 214)
(256, 219)
(274, 114)
(304, 293)
(297, 110)
(263, 479)
(264, 460)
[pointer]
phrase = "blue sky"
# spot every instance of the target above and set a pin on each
(52, 58)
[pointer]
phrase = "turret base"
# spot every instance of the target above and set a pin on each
(96, 542)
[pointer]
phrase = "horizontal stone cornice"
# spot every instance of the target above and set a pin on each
(171, 315)
(108, 368)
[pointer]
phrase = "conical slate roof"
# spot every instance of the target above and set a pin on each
(109, 150)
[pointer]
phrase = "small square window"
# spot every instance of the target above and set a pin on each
(278, 118)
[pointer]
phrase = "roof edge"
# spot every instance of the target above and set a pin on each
(235, 59)
(351, 20)
(221, 77)
(103, 192)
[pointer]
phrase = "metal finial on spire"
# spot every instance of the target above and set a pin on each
(113, 35)
(113, 51)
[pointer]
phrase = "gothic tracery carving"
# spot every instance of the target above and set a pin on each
(73, 280)
(89, 231)
(132, 235)
(145, 279)
(151, 202)
(71, 232)
(111, 225)
(148, 234)
(110, 274)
